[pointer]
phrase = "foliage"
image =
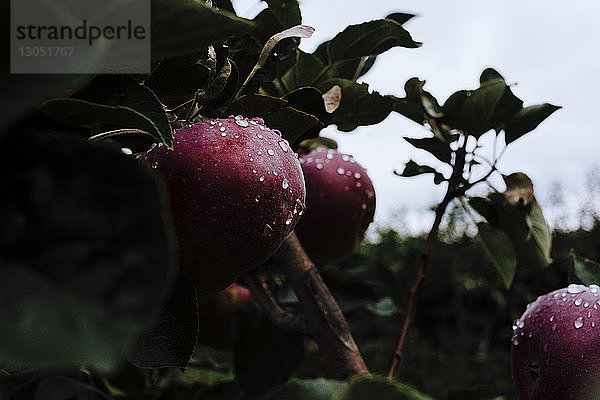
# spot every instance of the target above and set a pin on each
(92, 307)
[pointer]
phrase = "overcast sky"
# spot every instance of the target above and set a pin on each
(549, 50)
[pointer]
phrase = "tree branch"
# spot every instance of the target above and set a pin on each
(324, 318)
(278, 316)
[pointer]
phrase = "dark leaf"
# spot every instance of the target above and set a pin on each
(170, 340)
(304, 73)
(306, 389)
(586, 270)
(56, 387)
(434, 146)
(413, 169)
(176, 79)
(478, 111)
(265, 357)
(278, 114)
(181, 27)
(309, 100)
(500, 250)
(400, 18)
(84, 252)
(286, 11)
(526, 120)
(409, 109)
(358, 107)
(484, 208)
(489, 74)
(368, 39)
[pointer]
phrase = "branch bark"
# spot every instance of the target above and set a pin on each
(324, 319)
(272, 309)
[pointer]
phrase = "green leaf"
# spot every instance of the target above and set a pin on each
(294, 124)
(500, 250)
(525, 226)
(286, 11)
(586, 270)
(176, 79)
(400, 18)
(526, 120)
(413, 169)
(171, 339)
(368, 39)
(304, 72)
(434, 146)
(489, 74)
(379, 388)
(305, 389)
(74, 112)
(83, 248)
(478, 111)
(181, 27)
(358, 106)
(308, 99)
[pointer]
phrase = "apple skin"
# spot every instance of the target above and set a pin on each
(560, 333)
(236, 189)
(340, 205)
(215, 314)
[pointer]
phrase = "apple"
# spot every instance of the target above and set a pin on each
(556, 346)
(215, 314)
(236, 190)
(340, 204)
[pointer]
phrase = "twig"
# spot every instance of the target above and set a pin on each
(324, 319)
(263, 296)
(421, 269)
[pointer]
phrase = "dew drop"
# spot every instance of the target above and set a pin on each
(277, 132)
(223, 134)
(515, 340)
(262, 178)
(520, 324)
(283, 146)
(213, 122)
(268, 230)
(578, 323)
(586, 304)
(357, 175)
(370, 194)
(573, 288)
(258, 135)
(275, 173)
(242, 122)
(285, 184)
(349, 173)
(256, 199)
(594, 288)
(253, 171)
(345, 157)
(363, 206)
(258, 120)
(329, 156)
(358, 184)
(552, 318)
(237, 136)
(222, 129)
(589, 314)
(340, 171)
(270, 152)
(593, 324)
(578, 302)
(289, 221)
(319, 166)
(237, 117)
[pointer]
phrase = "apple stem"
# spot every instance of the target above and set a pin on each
(278, 316)
(324, 318)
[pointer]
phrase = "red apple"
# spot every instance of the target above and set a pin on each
(236, 190)
(556, 346)
(215, 314)
(340, 204)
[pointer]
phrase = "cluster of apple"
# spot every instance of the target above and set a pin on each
(237, 189)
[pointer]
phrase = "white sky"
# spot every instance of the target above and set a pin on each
(550, 49)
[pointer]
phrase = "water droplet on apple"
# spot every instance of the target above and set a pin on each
(551, 318)
(520, 324)
(573, 288)
(262, 178)
(242, 122)
(270, 152)
(594, 288)
(340, 171)
(284, 146)
(275, 173)
(319, 166)
(253, 171)
(578, 323)
(578, 302)
(357, 175)
(285, 184)
(345, 157)
(268, 230)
